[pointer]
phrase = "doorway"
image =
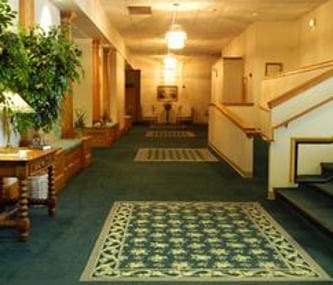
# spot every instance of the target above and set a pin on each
(132, 97)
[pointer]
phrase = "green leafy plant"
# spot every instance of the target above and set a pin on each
(40, 66)
(13, 57)
(14, 67)
(6, 15)
(54, 64)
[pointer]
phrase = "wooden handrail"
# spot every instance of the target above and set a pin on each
(301, 70)
(301, 114)
(250, 131)
(299, 89)
(239, 104)
(264, 108)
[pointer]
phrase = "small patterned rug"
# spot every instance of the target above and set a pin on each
(196, 241)
(170, 134)
(175, 154)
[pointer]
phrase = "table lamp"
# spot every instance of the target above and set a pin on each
(12, 103)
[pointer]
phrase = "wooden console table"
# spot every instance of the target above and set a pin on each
(34, 162)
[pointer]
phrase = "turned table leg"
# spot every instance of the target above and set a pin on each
(52, 199)
(23, 223)
(1, 194)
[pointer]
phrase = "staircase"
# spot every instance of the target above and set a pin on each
(313, 197)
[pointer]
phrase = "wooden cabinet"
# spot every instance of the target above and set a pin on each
(72, 162)
(59, 169)
(72, 156)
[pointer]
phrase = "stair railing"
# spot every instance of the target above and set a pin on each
(231, 137)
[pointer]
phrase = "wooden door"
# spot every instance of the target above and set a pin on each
(132, 99)
(233, 80)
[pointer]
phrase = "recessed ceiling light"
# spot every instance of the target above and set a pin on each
(139, 10)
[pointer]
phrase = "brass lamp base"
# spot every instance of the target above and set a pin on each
(9, 150)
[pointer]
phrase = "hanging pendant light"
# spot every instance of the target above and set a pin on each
(170, 62)
(176, 36)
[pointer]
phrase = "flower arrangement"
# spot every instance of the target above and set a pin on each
(80, 115)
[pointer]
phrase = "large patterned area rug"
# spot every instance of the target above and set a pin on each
(170, 134)
(174, 154)
(196, 241)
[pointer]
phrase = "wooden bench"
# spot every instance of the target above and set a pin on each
(103, 136)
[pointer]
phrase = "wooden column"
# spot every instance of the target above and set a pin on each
(96, 114)
(27, 13)
(106, 80)
(67, 108)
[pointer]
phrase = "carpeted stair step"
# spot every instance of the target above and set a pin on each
(313, 178)
(327, 168)
(326, 188)
(312, 203)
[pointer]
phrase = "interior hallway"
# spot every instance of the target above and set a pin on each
(59, 247)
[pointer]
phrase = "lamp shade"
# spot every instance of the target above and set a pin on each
(15, 103)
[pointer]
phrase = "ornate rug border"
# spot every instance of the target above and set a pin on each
(93, 258)
(153, 134)
(141, 155)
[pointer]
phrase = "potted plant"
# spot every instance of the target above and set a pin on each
(106, 119)
(80, 121)
(54, 63)
(14, 68)
(40, 66)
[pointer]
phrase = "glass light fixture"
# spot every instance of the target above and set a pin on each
(170, 62)
(176, 36)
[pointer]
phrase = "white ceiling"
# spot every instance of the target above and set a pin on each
(209, 23)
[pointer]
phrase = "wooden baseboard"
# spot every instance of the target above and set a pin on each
(233, 165)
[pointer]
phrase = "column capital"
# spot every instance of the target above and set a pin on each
(96, 43)
(67, 17)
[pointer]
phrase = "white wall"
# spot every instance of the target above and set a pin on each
(291, 42)
(46, 14)
(94, 11)
(14, 4)
(230, 141)
(83, 91)
(316, 44)
(280, 156)
(265, 42)
(217, 82)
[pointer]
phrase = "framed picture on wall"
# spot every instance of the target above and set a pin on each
(167, 93)
(272, 68)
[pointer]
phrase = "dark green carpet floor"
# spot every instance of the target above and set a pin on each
(59, 247)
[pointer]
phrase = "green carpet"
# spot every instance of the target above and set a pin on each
(170, 134)
(196, 241)
(59, 247)
(175, 154)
